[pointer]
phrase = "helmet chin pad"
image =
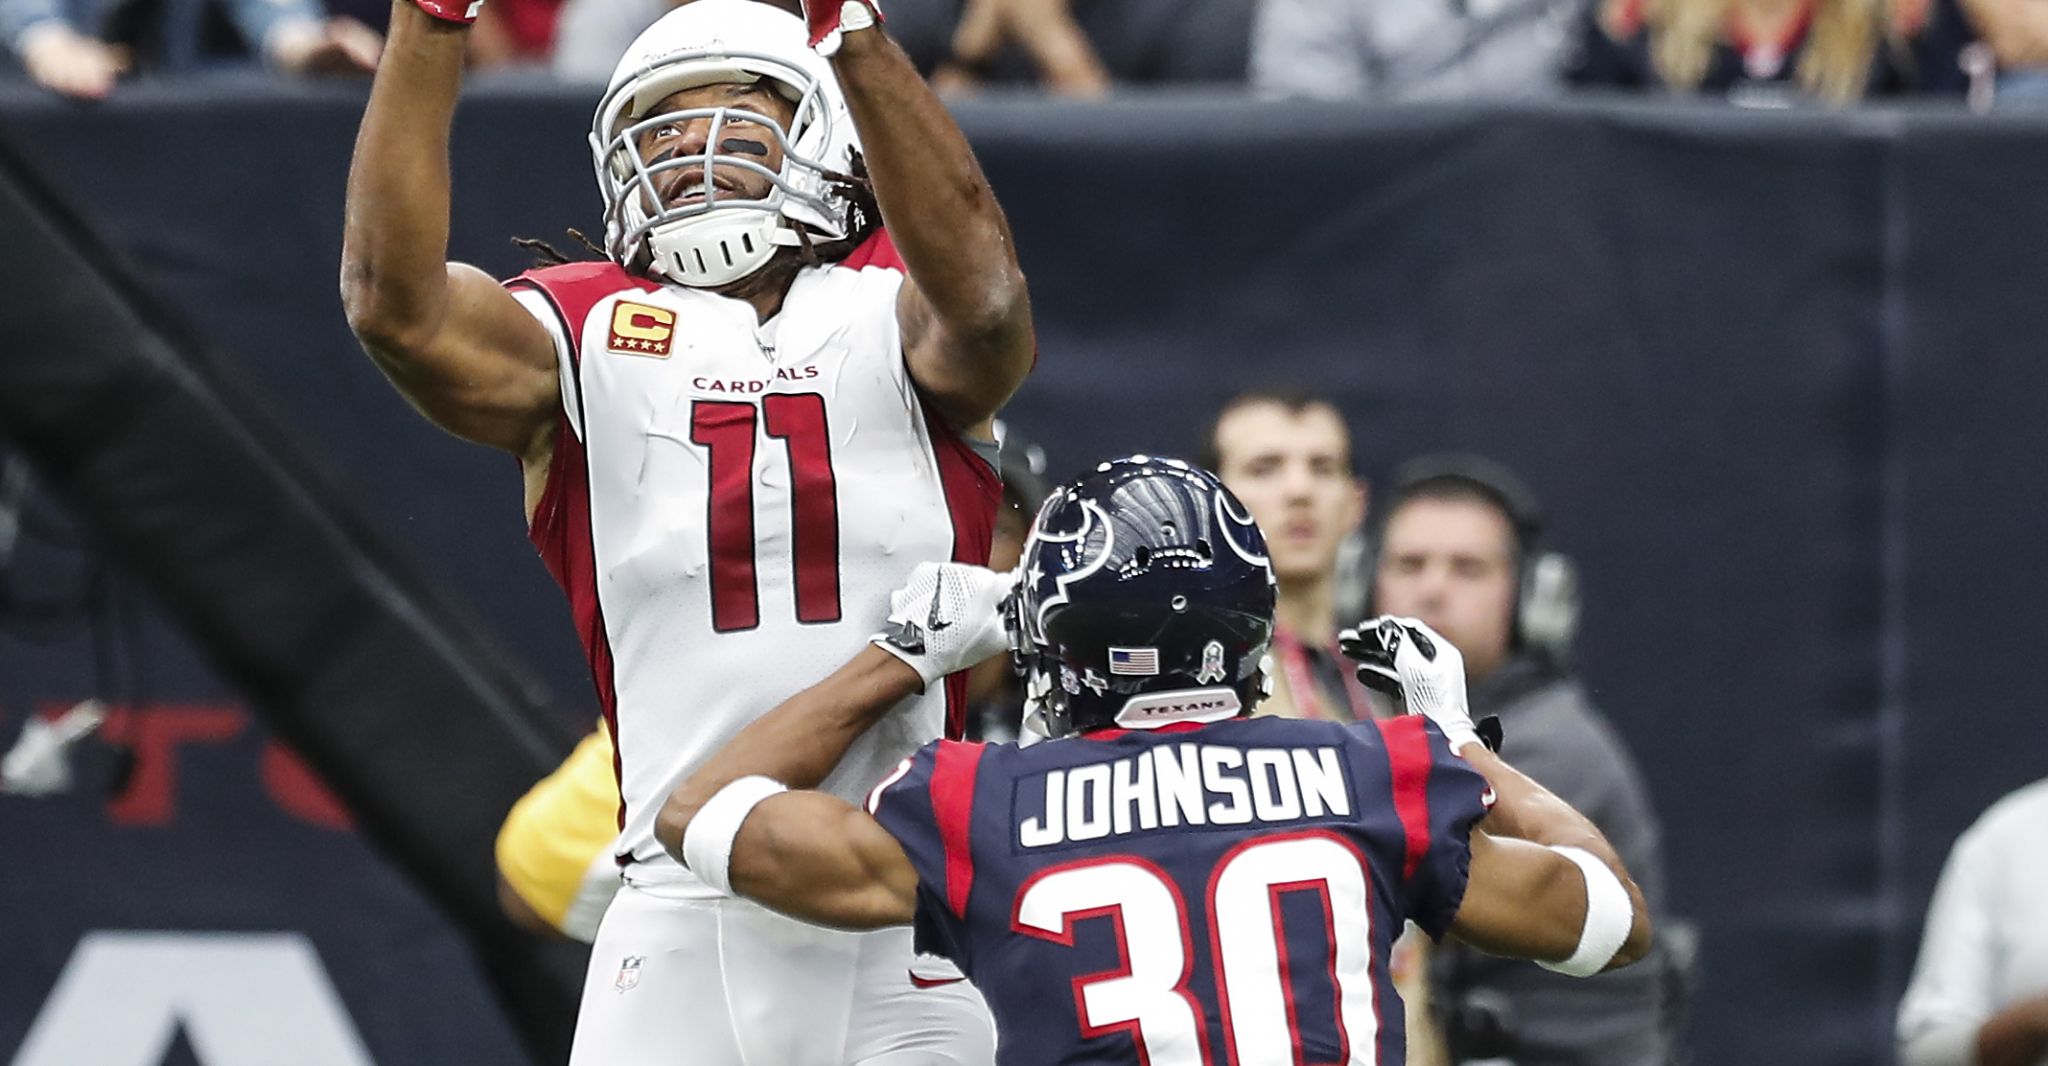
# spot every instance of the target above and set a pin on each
(717, 247)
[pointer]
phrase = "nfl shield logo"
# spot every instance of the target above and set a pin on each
(629, 972)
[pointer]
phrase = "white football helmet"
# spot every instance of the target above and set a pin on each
(720, 239)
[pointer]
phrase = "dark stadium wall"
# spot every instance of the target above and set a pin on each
(371, 673)
(1776, 376)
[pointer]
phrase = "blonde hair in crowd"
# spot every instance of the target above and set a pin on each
(1835, 65)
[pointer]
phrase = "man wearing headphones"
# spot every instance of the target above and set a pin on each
(1458, 547)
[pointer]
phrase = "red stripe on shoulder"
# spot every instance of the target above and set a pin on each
(973, 491)
(575, 288)
(954, 766)
(1408, 759)
(560, 532)
(877, 251)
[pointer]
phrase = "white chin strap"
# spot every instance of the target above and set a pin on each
(717, 247)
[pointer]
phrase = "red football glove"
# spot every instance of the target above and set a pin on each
(829, 19)
(462, 11)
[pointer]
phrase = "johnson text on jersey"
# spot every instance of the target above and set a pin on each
(1181, 785)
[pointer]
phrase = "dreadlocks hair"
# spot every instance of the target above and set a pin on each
(547, 255)
(863, 216)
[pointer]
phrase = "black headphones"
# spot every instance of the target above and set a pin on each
(1546, 610)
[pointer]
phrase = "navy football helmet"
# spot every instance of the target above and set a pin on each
(1146, 597)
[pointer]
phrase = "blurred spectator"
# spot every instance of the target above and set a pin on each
(1068, 46)
(591, 35)
(1459, 548)
(1287, 455)
(1773, 51)
(1400, 50)
(1074, 46)
(1063, 46)
(1061, 57)
(514, 33)
(2012, 53)
(79, 47)
(1979, 995)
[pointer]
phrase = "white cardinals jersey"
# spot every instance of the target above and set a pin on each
(730, 504)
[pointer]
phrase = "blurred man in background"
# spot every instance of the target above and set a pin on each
(1459, 548)
(1399, 51)
(1979, 995)
(1287, 455)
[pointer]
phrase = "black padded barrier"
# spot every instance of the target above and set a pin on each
(378, 679)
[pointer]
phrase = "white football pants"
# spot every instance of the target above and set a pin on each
(724, 982)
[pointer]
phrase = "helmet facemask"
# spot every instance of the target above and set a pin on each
(725, 236)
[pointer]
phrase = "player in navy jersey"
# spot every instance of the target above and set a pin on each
(1167, 881)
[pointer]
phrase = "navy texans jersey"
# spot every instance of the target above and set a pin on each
(1190, 895)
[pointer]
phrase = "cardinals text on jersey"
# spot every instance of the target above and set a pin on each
(730, 503)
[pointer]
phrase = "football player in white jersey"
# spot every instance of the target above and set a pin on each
(738, 433)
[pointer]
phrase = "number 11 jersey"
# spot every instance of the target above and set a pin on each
(730, 503)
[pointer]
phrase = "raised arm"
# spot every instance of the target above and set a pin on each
(1543, 882)
(455, 343)
(1524, 897)
(964, 312)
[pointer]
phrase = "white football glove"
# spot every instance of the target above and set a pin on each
(1405, 658)
(946, 618)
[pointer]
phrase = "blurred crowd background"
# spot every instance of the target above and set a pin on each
(1759, 52)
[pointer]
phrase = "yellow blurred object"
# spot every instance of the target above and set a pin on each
(555, 848)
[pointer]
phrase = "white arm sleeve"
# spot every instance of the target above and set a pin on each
(1952, 990)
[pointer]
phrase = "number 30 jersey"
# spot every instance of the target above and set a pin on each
(1190, 895)
(730, 503)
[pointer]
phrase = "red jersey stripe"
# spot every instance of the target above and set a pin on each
(879, 250)
(973, 491)
(954, 766)
(1408, 759)
(560, 528)
(561, 534)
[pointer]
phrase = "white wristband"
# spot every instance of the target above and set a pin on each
(707, 844)
(1609, 916)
